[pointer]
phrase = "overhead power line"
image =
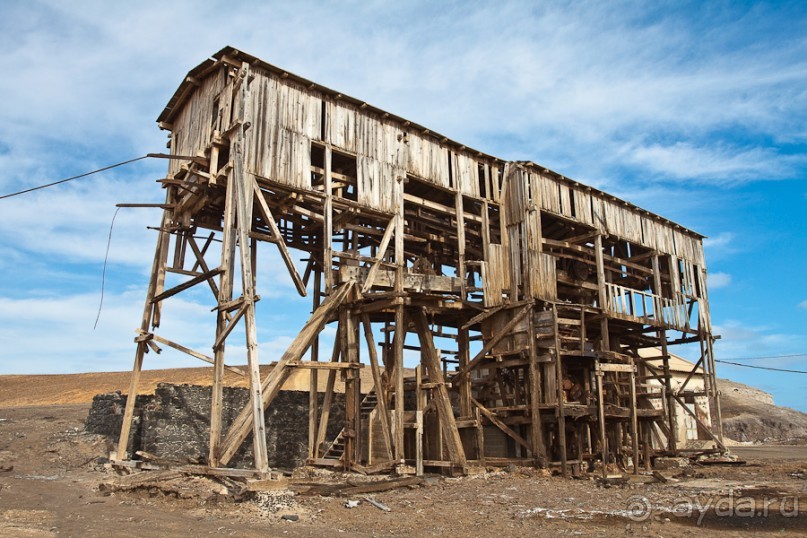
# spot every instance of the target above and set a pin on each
(74, 177)
(762, 367)
(768, 357)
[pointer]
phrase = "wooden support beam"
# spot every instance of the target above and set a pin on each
(444, 410)
(266, 213)
(222, 336)
(491, 343)
(128, 414)
(634, 423)
(383, 411)
(327, 399)
(224, 296)
(192, 353)
(271, 385)
(382, 250)
(185, 285)
(501, 425)
(537, 446)
(244, 187)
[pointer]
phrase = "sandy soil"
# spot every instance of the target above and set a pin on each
(53, 489)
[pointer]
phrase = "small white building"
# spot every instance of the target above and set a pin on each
(689, 383)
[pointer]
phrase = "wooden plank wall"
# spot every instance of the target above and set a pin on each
(288, 116)
(193, 125)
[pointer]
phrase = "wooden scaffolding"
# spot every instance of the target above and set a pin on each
(524, 297)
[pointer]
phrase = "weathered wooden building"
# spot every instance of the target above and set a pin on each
(528, 296)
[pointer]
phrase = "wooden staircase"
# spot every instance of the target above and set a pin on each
(336, 449)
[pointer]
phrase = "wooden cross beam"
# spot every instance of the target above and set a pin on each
(266, 213)
(444, 410)
(271, 385)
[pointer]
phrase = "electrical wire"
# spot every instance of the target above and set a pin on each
(766, 358)
(103, 273)
(74, 177)
(762, 367)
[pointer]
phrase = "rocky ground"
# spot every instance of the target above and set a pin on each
(53, 481)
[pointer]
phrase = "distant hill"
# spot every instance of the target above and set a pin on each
(750, 414)
(30, 390)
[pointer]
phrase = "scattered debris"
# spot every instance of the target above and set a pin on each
(380, 506)
(354, 488)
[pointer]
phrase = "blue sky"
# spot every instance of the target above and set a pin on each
(693, 110)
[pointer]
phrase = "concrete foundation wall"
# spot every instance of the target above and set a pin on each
(174, 423)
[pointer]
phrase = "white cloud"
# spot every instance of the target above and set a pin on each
(614, 96)
(803, 304)
(718, 280)
(721, 164)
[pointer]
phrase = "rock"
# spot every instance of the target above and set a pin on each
(664, 463)
(290, 517)
(351, 504)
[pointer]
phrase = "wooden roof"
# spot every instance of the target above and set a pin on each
(190, 82)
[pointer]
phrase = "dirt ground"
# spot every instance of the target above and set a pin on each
(50, 476)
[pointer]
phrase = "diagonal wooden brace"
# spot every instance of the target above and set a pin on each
(263, 208)
(242, 426)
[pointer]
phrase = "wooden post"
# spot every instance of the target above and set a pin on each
(460, 214)
(601, 293)
(352, 396)
(665, 357)
(225, 295)
(445, 412)
(313, 390)
(601, 411)
(244, 187)
(327, 226)
(463, 355)
(131, 398)
(559, 384)
(634, 420)
(536, 428)
(379, 386)
(327, 399)
(419, 400)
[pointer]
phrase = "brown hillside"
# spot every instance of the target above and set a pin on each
(28, 390)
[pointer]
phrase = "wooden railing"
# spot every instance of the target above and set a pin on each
(645, 306)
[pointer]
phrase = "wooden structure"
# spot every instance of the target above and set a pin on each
(526, 295)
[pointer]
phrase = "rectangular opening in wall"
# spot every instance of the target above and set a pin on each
(481, 173)
(343, 172)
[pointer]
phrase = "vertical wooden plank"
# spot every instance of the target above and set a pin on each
(460, 215)
(313, 390)
(463, 355)
(634, 421)
(131, 398)
(327, 399)
(327, 227)
(225, 295)
(352, 389)
(536, 428)
(559, 384)
(419, 402)
(601, 417)
(244, 187)
(444, 410)
(379, 385)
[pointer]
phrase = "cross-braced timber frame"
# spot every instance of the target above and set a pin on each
(540, 291)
